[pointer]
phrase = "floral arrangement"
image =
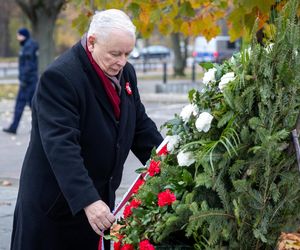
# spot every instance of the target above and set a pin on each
(227, 177)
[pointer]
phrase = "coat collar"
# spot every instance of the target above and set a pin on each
(99, 90)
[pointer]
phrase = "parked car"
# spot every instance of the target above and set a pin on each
(155, 51)
(215, 50)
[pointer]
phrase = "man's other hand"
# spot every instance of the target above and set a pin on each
(99, 216)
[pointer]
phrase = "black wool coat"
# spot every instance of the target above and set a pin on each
(76, 153)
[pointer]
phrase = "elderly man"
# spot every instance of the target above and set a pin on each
(86, 116)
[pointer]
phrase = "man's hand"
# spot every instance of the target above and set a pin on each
(99, 216)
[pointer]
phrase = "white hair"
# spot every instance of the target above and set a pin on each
(104, 21)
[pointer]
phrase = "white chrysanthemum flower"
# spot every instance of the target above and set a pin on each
(203, 122)
(185, 158)
(232, 60)
(173, 142)
(187, 111)
(296, 52)
(228, 77)
(269, 47)
(209, 76)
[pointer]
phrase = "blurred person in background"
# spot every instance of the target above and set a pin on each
(86, 117)
(28, 76)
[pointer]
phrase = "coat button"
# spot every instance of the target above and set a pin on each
(118, 146)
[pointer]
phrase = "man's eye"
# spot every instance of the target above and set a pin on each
(115, 54)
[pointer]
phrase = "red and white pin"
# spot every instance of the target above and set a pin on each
(128, 88)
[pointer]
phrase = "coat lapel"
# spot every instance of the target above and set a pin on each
(124, 107)
(101, 96)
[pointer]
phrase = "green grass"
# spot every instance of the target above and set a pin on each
(8, 91)
(8, 59)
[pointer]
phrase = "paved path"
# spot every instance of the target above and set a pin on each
(160, 107)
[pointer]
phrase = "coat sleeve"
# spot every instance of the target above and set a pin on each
(58, 113)
(147, 135)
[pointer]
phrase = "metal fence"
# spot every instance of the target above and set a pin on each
(9, 70)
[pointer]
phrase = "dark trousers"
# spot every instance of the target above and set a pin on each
(24, 98)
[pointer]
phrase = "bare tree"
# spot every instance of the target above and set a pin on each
(42, 15)
(6, 7)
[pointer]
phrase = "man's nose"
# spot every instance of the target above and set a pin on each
(122, 60)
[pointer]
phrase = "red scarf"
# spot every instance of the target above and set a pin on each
(110, 90)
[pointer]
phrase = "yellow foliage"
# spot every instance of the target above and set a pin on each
(262, 19)
(144, 14)
(197, 3)
(197, 17)
(212, 32)
(177, 24)
(166, 26)
(185, 28)
(196, 26)
(145, 29)
(173, 11)
(269, 30)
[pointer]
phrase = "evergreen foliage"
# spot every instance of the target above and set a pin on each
(243, 187)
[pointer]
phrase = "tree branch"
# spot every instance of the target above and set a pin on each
(25, 6)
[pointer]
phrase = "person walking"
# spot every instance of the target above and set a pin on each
(28, 76)
(86, 117)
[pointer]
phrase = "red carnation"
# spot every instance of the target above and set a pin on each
(163, 150)
(154, 168)
(146, 245)
(128, 209)
(135, 203)
(166, 198)
(117, 245)
(137, 185)
(127, 247)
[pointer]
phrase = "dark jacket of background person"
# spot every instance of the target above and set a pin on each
(28, 77)
(28, 62)
(76, 153)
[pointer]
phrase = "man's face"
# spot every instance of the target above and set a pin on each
(111, 53)
(20, 38)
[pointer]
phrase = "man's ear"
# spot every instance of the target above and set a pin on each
(90, 43)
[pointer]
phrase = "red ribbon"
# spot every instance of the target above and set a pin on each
(161, 150)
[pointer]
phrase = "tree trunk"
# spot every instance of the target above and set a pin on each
(4, 28)
(186, 43)
(179, 59)
(42, 31)
(42, 15)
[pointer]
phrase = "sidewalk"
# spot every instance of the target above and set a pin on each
(160, 107)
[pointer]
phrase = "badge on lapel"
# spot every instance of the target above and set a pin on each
(128, 88)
